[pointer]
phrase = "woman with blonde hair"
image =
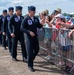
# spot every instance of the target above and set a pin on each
(47, 31)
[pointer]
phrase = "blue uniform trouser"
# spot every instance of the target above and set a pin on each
(15, 40)
(4, 42)
(9, 40)
(32, 49)
(0, 39)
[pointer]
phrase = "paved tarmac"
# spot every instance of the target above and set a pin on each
(42, 67)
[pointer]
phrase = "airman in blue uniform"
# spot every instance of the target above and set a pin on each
(0, 30)
(5, 29)
(4, 42)
(29, 26)
(16, 34)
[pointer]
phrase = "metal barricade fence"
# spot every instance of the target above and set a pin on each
(57, 44)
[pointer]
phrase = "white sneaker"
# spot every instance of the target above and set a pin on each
(50, 58)
(46, 57)
(59, 64)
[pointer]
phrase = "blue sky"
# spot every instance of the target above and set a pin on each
(66, 5)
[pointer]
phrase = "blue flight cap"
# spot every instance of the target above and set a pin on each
(68, 17)
(10, 8)
(18, 8)
(4, 11)
(32, 8)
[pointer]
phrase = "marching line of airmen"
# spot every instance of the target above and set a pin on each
(13, 27)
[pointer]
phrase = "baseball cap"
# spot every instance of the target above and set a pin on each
(60, 16)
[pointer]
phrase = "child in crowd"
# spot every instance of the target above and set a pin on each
(65, 42)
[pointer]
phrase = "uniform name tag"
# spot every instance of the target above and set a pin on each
(8, 18)
(29, 22)
(16, 20)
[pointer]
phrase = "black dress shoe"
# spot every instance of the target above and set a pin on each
(31, 69)
(14, 59)
(24, 60)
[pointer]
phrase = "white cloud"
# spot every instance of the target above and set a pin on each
(66, 5)
(17, 1)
